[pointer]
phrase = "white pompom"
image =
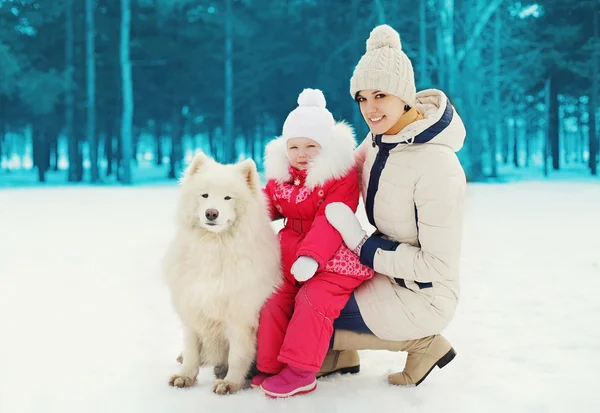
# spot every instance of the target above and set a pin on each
(312, 97)
(383, 36)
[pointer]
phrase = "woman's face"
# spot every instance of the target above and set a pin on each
(380, 110)
(301, 150)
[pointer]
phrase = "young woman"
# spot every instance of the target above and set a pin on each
(413, 188)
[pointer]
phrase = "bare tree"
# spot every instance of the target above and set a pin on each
(69, 96)
(229, 127)
(127, 117)
(594, 98)
(423, 73)
(497, 132)
(90, 8)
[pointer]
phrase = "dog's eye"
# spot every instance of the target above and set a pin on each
(204, 195)
(227, 198)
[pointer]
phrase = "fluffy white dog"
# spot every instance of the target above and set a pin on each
(222, 265)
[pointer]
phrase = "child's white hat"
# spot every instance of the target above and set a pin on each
(310, 119)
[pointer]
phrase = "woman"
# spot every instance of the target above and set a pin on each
(413, 188)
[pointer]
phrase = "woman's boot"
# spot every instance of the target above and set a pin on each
(423, 353)
(340, 361)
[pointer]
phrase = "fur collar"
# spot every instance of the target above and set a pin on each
(334, 162)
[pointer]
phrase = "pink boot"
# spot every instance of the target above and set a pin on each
(290, 382)
(258, 379)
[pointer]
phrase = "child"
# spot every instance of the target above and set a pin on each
(308, 167)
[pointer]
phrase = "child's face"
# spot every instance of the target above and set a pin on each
(301, 150)
(380, 110)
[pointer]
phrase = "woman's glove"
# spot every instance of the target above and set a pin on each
(304, 268)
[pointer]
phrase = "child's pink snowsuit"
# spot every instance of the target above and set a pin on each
(296, 323)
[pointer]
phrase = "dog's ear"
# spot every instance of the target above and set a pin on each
(200, 159)
(248, 170)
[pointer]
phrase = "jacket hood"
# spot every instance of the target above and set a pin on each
(441, 124)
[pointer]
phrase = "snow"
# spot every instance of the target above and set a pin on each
(86, 324)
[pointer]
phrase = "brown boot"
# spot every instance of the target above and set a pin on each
(423, 354)
(340, 361)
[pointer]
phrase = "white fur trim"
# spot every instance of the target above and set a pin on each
(276, 162)
(335, 160)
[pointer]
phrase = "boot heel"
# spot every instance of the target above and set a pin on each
(447, 358)
(344, 370)
(350, 370)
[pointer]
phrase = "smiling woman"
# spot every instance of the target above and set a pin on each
(382, 111)
(413, 188)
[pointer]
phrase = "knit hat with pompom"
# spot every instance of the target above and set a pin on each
(310, 119)
(385, 66)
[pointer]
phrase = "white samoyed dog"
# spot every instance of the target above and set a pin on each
(221, 266)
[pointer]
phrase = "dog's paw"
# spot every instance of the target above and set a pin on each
(181, 381)
(180, 358)
(225, 387)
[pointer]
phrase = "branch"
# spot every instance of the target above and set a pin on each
(478, 29)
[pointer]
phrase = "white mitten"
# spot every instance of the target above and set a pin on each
(341, 217)
(304, 268)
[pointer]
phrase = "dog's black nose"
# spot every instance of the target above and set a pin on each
(211, 214)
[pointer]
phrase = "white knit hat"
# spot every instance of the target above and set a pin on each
(310, 119)
(385, 67)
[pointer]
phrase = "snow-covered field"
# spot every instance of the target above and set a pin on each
(86, 324)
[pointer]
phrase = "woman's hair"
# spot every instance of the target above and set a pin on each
(406, 107)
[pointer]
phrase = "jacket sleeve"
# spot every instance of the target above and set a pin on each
(438, 197)
(274, 214)
(323, 240)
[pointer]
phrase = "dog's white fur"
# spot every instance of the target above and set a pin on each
(220, 272)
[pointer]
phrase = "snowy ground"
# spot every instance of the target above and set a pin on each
(86, 324)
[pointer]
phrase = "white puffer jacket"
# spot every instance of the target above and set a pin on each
(413, 188)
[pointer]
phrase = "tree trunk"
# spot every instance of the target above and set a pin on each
(505, 142)
(441, 56)
(546, 145)
(108, 146)
(55, 158)
(356, 52)
(515, 136)
(41, 148)
(249, 134)
(593, 162)
(212, 142)
(127, 117)
(229, 138)
(447, 18)
(2, 135)
(593, 139)
(528, 135)
(380, 12)
(119, 158)
(581, 138)
(69, 96)
(176, 145)
(496, 133)
(158, 133)
(423, 77)
(473, 109)
(554, 125)
(136, 134)
(91, 89)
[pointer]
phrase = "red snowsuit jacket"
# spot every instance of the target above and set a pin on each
(300, 197)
